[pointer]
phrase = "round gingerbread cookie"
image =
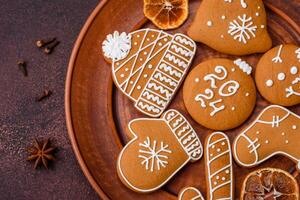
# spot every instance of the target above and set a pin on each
(278, 75)
(220, 94)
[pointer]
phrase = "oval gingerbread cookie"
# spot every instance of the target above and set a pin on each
(190, 193)
(158, 149)
(237, 27)
(278, 75)
(220, 94)
(149, 65)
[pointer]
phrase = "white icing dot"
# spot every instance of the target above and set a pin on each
(247, 94)
(269, 83)
(131, 82)
(126, 69)
(281, 76)
(197, 80)
(233, 108)
(222, 36)
(145, 53)
(257, 132)
(257, 14)
(122, 75)
(117, 63)
(218, 150)
(294, 127)
(160, 44)
(227, 171)
(262, 26)
(165, 39)
(258, 7)
(217, 177)
(209, 23)
(233, 69)
(141, 59)
(213, 146)
(138, 87)
(148, 39)
(138, 36)
(215, 183)
(267, 141)
(223, 17)
(135, 43)
(152, 35)
(294, 70)
(145, 76)
(223, 178)
(150, 66)
(223, 143)
(211, 154)
(286, 141)
(282, 133)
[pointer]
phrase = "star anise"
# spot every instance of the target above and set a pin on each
(41, 153)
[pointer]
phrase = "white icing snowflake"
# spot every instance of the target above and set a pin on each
(242, 29)
(116, 46)
(152, 157)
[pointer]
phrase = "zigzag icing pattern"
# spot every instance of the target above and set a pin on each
(183, 130)
(176, 123)
(191, 147)
(165, 79)
(188, 139)
(182, 51)
(170, 70)
(148, 107)
(298, 54)
(155, 99)
(160, 89)
(176, 61)
(184, 41)
(170, 115)
(244, 66)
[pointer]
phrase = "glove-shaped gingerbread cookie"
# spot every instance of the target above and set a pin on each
(275, 131)
(159, 149)
(237, 27)
(148, 66)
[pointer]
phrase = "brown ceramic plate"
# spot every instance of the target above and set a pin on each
(97, 113)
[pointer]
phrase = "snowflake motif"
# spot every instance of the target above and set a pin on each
(116, 46)
(243, 29)
(152, 157)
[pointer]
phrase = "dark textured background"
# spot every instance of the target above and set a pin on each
(21, 118)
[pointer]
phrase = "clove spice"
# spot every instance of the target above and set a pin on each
(46, 94)
(23, 67)
(49, 49)
(43, 43)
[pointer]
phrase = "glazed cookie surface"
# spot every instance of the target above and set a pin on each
(278, 75)
(237, 27)
(158, 149)
(148, 66)
(220, 94)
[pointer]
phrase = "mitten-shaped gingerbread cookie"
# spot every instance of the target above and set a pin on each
(219, 172)
(190, 193)
(237, 27)
(159, 149)
(275, 131)
(148, 66)
(278, 75)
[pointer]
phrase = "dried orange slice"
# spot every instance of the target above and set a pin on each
(270, 184)
(166, 14)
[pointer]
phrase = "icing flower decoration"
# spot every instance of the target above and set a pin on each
(116, 46)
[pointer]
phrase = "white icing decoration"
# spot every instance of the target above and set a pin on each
(243, 3)
(231, 89)
(294, 70)
(223, 17)
(254, 145)
(212, 77)
(209, 23)
(269, 83)
(209, 94)
(220, 169)
(222, 36)
(154, 158)
(294, 127)
(145, 75)
(160, 89)
(233, 108)
(185, 41)
(165, 79)
(116, 46)
(267, 141)
(122, 75)
(150, 66)
(298, 54)
(281, 76)
(197, 197)
(170, 70)
(262, 26)
(257, 14)
(277, 58)
(244, 66)
(176, 61)
(197, 80)
(149, 108)
(153, 98)
(290, 90)
(243, 29)
(286, 141)
(216, 109)
(182, 51)
(247, 94)
(139, 87)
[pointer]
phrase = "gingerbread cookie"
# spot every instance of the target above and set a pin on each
(237, 27)
(220, 94)
(275, 131)
(219, 172)
(270, 183)
(158, 150)
(278, 75)
(148, 66)
(190, 193)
